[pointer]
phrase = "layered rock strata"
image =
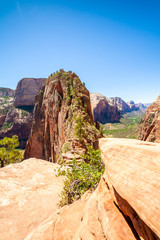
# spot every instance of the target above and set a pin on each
(62, 115)
(124, 206)
(150, 124)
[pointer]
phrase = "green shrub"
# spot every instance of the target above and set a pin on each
(81, 176)
(8, 153)
(7, 125)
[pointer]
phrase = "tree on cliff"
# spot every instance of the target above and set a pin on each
(8, 153)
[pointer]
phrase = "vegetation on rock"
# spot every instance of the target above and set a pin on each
(8, 151)
(82, 176)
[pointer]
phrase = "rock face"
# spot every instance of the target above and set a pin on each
(26, 91)
(103, 109)
(16, 122)
(62, 105)
(110, 110)
(6, 92)
(124, 206)
(29, 194)
(150, 124)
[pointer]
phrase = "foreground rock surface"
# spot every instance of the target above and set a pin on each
(29, 194)
(150, 124)
(125, 205)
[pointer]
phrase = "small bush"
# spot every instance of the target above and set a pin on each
(8, 153)
(81, 177)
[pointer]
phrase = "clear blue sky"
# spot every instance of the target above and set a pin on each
(113, 45)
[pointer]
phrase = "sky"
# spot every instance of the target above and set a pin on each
(113, 46)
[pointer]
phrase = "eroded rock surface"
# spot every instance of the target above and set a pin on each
(62, 104)
(26, 91)
(124, 206)
(29, 194)
(150, 124)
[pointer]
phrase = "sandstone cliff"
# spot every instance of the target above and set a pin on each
(125, 205)
(62, 115)
(150, 124)
(26, 91)
(104, 111)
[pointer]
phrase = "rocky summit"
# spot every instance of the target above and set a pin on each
(150, 124)
(62, 119)
(125, 204)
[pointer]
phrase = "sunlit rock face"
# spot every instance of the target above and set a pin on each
(29, 194)
(125, 204)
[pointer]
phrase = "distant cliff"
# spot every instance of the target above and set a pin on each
(26, 90)
(150, 124)
(110, 110)
(62, 115)
(16, 114)
(104, 111)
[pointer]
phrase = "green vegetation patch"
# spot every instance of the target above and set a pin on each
(8, 151)
(81, 176)
(126, 128)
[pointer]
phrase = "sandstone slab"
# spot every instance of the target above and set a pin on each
(29, 193)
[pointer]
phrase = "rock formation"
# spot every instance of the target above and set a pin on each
(62, 115)
(6, 92)
(124, 206)
(110, 110)
(16, 122)
(150, 124)
(29, 194)
(104, 111)
(26, 91)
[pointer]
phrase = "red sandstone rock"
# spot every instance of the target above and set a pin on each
(103, 109)
(125, 206)
(57, 107)
(29, 194)
(150, 124)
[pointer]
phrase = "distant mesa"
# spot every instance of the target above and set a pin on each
(26, 91)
